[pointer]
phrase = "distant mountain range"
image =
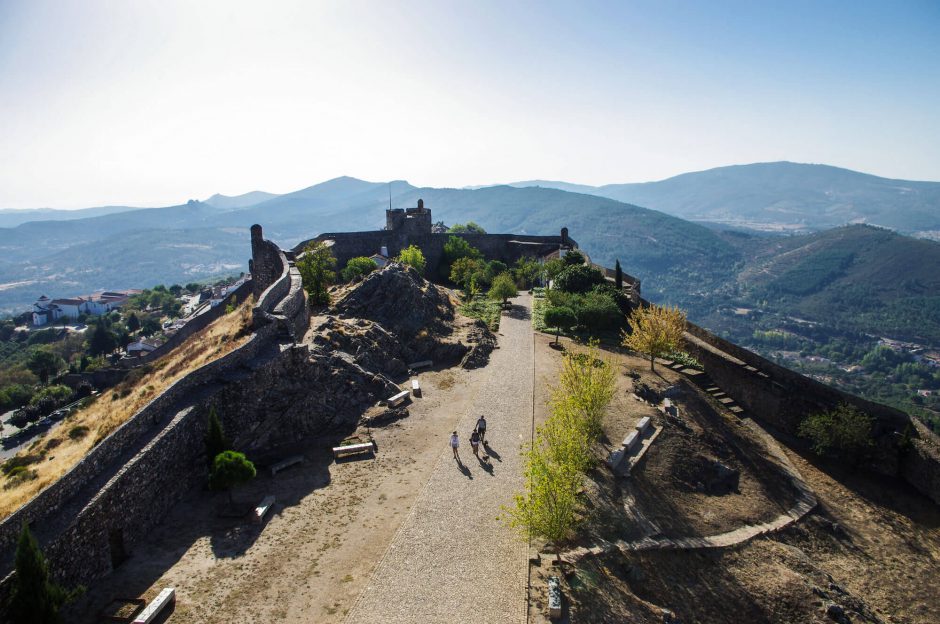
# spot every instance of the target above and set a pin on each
(782, 196)
(694, 264)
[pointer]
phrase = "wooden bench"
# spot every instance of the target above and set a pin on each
(415, 388)
(353, 449)
(421, 364)
(262, 509)
(398, 399)
(150, 613)
(286, 463)
(554, 597)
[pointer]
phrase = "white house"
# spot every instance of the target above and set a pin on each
(47, 310)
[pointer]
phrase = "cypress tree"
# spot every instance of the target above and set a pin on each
(618, 275)
(216, 441)
(34, 598)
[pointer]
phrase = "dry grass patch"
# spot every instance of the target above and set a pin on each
(81, 431)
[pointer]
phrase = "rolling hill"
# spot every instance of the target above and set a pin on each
(784, 196)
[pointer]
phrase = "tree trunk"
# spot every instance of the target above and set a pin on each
(557, 331)
(653, 363)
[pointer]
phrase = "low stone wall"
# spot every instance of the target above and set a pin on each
(783, 398)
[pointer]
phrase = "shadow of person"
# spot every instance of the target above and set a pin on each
(485, 465)
(466, 471)
(491, 452)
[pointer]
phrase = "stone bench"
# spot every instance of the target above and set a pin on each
(286, 463)
(262, 509)
(150, 613)
(554, 597)
(415, 388)
(615, 457)
(398, 399)
(643, 425)
(631, 440)
(353, 449)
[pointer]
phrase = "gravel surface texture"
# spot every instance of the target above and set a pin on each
(453, 560)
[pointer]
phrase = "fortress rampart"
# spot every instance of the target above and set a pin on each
(89, 519)
(412, 226)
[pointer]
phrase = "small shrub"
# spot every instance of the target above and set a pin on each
(78, 432)
(845, 429)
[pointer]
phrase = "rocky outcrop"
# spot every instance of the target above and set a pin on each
(400, 300)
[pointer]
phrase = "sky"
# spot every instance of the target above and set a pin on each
(151, 103)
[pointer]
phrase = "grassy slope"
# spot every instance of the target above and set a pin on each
(115, 406)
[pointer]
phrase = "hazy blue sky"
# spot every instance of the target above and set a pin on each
(147, 103)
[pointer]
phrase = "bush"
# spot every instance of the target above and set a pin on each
(845, 429)
(56, 395)
(578, 279)
(503, 288)
(599, 311)
(413, 257)
(358, 267)
(78, 432)
(574, 258)
(560, 318)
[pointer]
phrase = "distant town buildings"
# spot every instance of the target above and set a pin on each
(47, 310)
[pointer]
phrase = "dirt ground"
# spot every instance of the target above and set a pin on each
(871, 546)
(330, 526)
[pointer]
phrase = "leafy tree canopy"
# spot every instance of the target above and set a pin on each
(358, 267)
(655, 331)
(578, 278)
(316, 270)
(469, 228)
(503, 287)
(413, 257)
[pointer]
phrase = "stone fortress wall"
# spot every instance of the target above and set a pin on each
(90, 518)
(412, 226)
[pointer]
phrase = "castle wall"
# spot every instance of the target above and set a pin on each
(126, 484)
(504, 247)
(782, 398)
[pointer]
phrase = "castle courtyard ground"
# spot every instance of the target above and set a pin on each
(410, 536)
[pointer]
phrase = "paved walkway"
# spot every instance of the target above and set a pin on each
(452, 560)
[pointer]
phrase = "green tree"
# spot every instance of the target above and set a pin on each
(133, 323)
(176, 290)
(413, 257)
(102, 340)
(14, 396)
(216, 442)
(193, 287)
(618, 275)
(462, 270)
(44, 363)
(454, 249)
(34, 598)
(503, 288)
(316, 270)
(229, 470)
(526, 271)
(846, 429)
(655, 331)
(574, 258)
(586, 385)
(561, 318)
(547, 506)
(551, 268)
(358, 267)
(579, 278)
(150, 326)
(469, 228)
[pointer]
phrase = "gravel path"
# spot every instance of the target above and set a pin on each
(453, 560)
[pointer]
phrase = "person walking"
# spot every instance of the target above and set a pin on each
(475, 443)
(454, 445)
(481, 428)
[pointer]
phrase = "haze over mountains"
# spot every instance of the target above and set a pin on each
(677, 259)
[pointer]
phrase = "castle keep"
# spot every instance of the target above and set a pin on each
(413, 226)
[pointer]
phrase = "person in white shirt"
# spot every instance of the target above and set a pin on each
(454, 445)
